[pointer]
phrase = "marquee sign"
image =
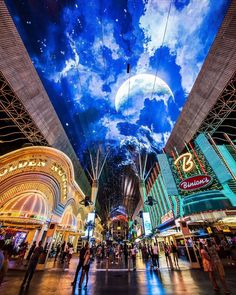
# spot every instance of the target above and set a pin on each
(37, 164)
(195, 182)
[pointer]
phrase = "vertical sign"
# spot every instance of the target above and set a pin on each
(147, 224)
(90, 219)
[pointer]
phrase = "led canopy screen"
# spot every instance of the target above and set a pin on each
(118, 72)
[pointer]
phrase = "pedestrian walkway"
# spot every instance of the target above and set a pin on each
(144, 281)
(141, 265)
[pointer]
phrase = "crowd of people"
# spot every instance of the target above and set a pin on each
(208, 251)
(212, 264)
(63, 251)
(7, 251)
(150, 252)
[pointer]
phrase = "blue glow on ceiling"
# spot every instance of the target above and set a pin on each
(81, 50)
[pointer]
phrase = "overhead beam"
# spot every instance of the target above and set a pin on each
(216, 72)
(18, 69)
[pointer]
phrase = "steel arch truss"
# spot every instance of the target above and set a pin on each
(222, 117)
(16, 123)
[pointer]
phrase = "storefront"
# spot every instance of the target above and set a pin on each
(39, 198)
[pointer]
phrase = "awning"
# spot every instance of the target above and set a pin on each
(167, 225)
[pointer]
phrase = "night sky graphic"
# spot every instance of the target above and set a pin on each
(81, 50)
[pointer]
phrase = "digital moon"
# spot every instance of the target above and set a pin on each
(132, 93)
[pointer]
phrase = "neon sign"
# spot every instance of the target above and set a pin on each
(195, 182)
(187, 162)
(23, 164)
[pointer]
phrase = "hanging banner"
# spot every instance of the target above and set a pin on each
(147, 224)
(90, 219)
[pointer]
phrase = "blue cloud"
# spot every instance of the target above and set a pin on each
(81, 50)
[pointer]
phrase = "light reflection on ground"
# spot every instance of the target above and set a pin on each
(141, 282)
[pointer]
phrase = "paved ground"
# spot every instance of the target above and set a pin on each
(141, 282)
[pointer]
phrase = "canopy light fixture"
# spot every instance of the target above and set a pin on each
(128, 68)
(86, 201)
(150, 201)
(140, 213)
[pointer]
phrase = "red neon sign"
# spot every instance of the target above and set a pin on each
(195, 182)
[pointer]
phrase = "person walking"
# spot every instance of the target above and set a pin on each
(155, 257)
(63, 252)
(80, 264)
(31, 250)
(174, 251)
(168, 257)
(126, 254)
(58, 249)
(2, 243)
(70, 252)
(133, 252)
(99, 253)
(217, 265)
(86, 266)
(207, 266)
(32, 265)
(227, 250)
(4, 268)
(3, 261)
(22, 251)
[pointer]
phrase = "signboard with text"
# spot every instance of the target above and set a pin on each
(192, 172)
(168, 216)
(195, 182)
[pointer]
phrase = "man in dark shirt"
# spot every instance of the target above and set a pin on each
(80, 264)
(32, 264)
(31, 251)
(126, 254)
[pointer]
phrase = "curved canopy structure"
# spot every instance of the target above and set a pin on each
(39, 182)
(68, 220)
(32, 206)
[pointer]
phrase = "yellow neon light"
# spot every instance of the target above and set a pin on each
(187, 164)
